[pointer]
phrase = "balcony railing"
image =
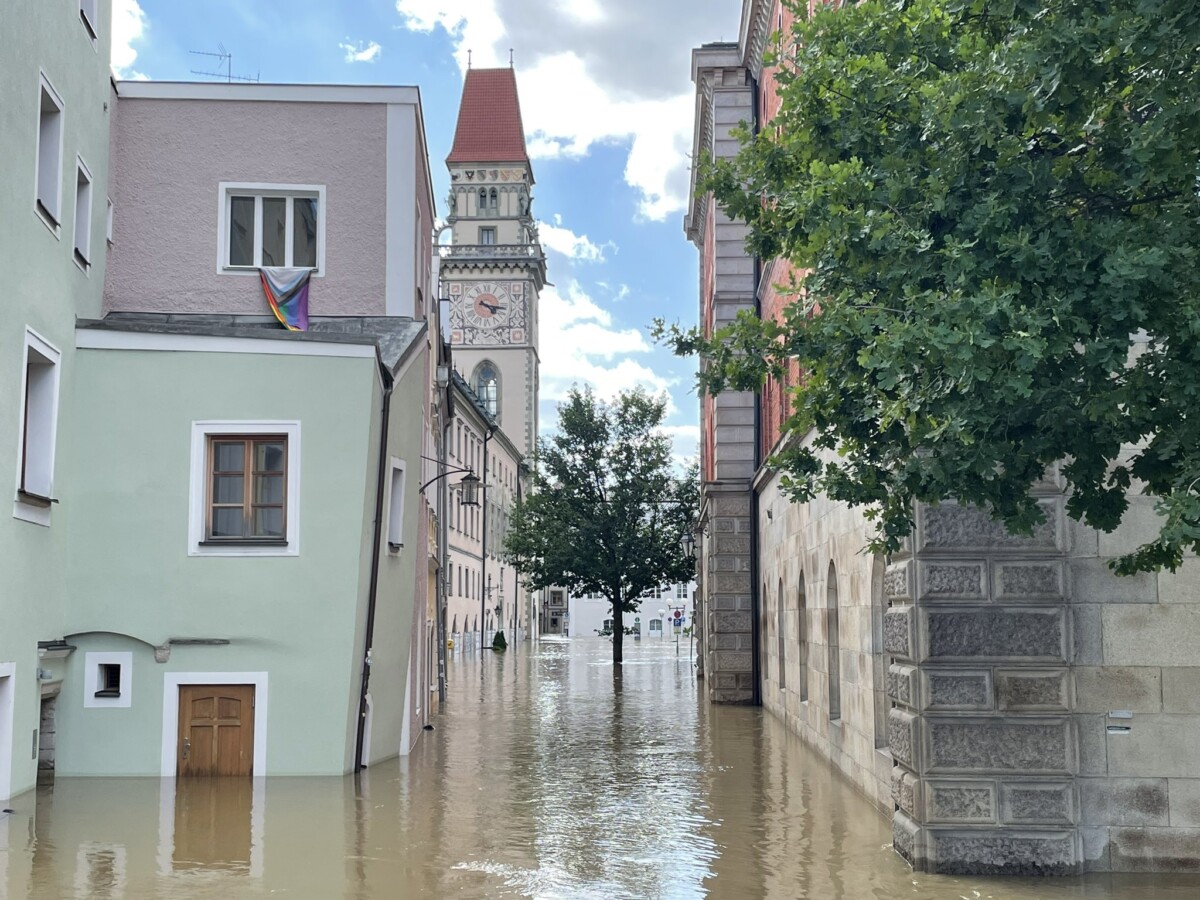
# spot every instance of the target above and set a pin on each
(492, 251)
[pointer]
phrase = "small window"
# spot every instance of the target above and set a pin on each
(396, 507)
(487, 236)
(49, 154)
(493, 200)
(83, 215)
(681, 591)
(656, 624)
(487, 389)
(108, 222)
(39, 422)
(269, 226)
(108, 684)
(87, 13)
(247, 498)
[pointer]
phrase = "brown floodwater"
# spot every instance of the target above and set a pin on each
(541, 780)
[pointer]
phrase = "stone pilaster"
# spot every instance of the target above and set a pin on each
(728, 619)
(979, 632)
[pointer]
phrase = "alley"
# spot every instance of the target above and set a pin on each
(540, 780)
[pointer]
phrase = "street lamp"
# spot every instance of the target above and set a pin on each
(688, 543)
(662, 613)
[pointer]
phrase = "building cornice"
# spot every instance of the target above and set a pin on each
(753, 34)
(708, 62)
(286, 93)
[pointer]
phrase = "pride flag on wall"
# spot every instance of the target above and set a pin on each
(287, 291)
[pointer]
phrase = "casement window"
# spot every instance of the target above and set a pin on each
(395, 533)
(83, 215)
(271, 225)
(245, 488)
(88, 15)
(681, 591)
(247, 498)
(39, 423)
(48, 197)
(108, 679)
(487, 236)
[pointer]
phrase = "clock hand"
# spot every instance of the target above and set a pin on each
(495, 309)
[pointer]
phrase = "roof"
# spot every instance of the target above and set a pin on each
(392, 336)
(489, 126)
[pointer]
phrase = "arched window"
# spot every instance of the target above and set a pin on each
(454, 627)
(482, 201)
(487, 388)
(802, 634)
(781, 631)
(835, 669)
(493, 200)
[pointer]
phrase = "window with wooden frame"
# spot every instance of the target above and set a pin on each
(247, 489)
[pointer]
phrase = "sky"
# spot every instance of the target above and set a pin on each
(607, 103)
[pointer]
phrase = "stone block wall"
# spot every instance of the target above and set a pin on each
(726, 609)
(797, 544)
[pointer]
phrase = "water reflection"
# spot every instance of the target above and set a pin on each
(545, 778)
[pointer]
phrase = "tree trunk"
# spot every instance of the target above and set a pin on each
(618, 635)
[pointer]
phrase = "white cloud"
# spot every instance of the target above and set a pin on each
(128, 26)
(586, 348)
(571, 245)
(593, 73)
(360, 52)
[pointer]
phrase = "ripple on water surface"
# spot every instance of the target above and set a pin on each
(546, 777)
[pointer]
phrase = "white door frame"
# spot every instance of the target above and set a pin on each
(8, 675)
(172, 681)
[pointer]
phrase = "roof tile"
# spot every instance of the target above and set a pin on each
(489, 120)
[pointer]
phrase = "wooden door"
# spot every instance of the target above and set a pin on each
(216, 730)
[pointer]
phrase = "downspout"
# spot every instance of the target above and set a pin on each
(443, 586)
(376, 548)
(756, 600)
(483, 593)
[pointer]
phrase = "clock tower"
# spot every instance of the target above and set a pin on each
(494, 268)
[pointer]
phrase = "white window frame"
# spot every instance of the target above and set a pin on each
(198, 493)
(487, 231)
(227, 190)
(91, 679)
(89, 15)
(24, 507)
(395, 523)
(83, 215)
(108, 222)
(50, 214)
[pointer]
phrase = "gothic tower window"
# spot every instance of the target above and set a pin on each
(487, 388)
(493, 200)
(482, 201)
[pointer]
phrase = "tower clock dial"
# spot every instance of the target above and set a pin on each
(487, 304)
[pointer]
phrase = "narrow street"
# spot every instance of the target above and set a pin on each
(540, 780)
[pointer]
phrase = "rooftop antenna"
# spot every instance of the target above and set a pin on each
(510, 57)
(226, 59)
(468, 59)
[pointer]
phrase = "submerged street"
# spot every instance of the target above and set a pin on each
(540, 780)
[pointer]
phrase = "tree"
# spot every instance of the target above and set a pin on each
(607, 512)
(994, 209)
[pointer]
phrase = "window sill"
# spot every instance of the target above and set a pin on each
(253, 270)
(107, 694)
(49, 219)
(245, 542)
(82, 262)
(31, 499)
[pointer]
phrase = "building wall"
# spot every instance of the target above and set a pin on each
(134, 585)
(170, 157)
(589, 612)
(44, 290)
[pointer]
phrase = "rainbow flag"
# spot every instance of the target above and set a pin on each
(287, 292)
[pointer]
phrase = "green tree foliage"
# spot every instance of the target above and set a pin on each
(995, 206)
(607, 512)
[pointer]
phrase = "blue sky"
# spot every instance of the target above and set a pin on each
(607, 103)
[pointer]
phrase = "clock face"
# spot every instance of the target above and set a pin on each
(486, 304)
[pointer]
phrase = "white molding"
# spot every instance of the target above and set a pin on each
(44, 82)
(172, 681)
(86, 253)
(395, 514)
(103, 339)
(197, 491)
(8, 678)
(28, 512)
(260, 189)
(91, 679)
(292, 93)
(400, 281)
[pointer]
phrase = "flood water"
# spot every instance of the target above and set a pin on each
(541, 780)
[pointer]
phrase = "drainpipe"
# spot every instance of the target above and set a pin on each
(756, 600)
(376, 548)
(443, 550)
(483, 593)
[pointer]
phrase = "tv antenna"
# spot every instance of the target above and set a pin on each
(226, 59)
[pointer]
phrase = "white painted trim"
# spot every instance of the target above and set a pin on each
(28, 512)
(198, 486)
(369, 719)
(406, 722)
(293, 93)
(166, 826)
(8, 678)
(85, 220)
(44, 82)
(400, 227)
(91, 680)
(170, 733)
(103, 339)
(258, 190)
(397, 477)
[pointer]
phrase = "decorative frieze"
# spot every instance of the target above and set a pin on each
(950, 527)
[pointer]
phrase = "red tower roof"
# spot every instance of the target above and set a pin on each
(489, 120)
